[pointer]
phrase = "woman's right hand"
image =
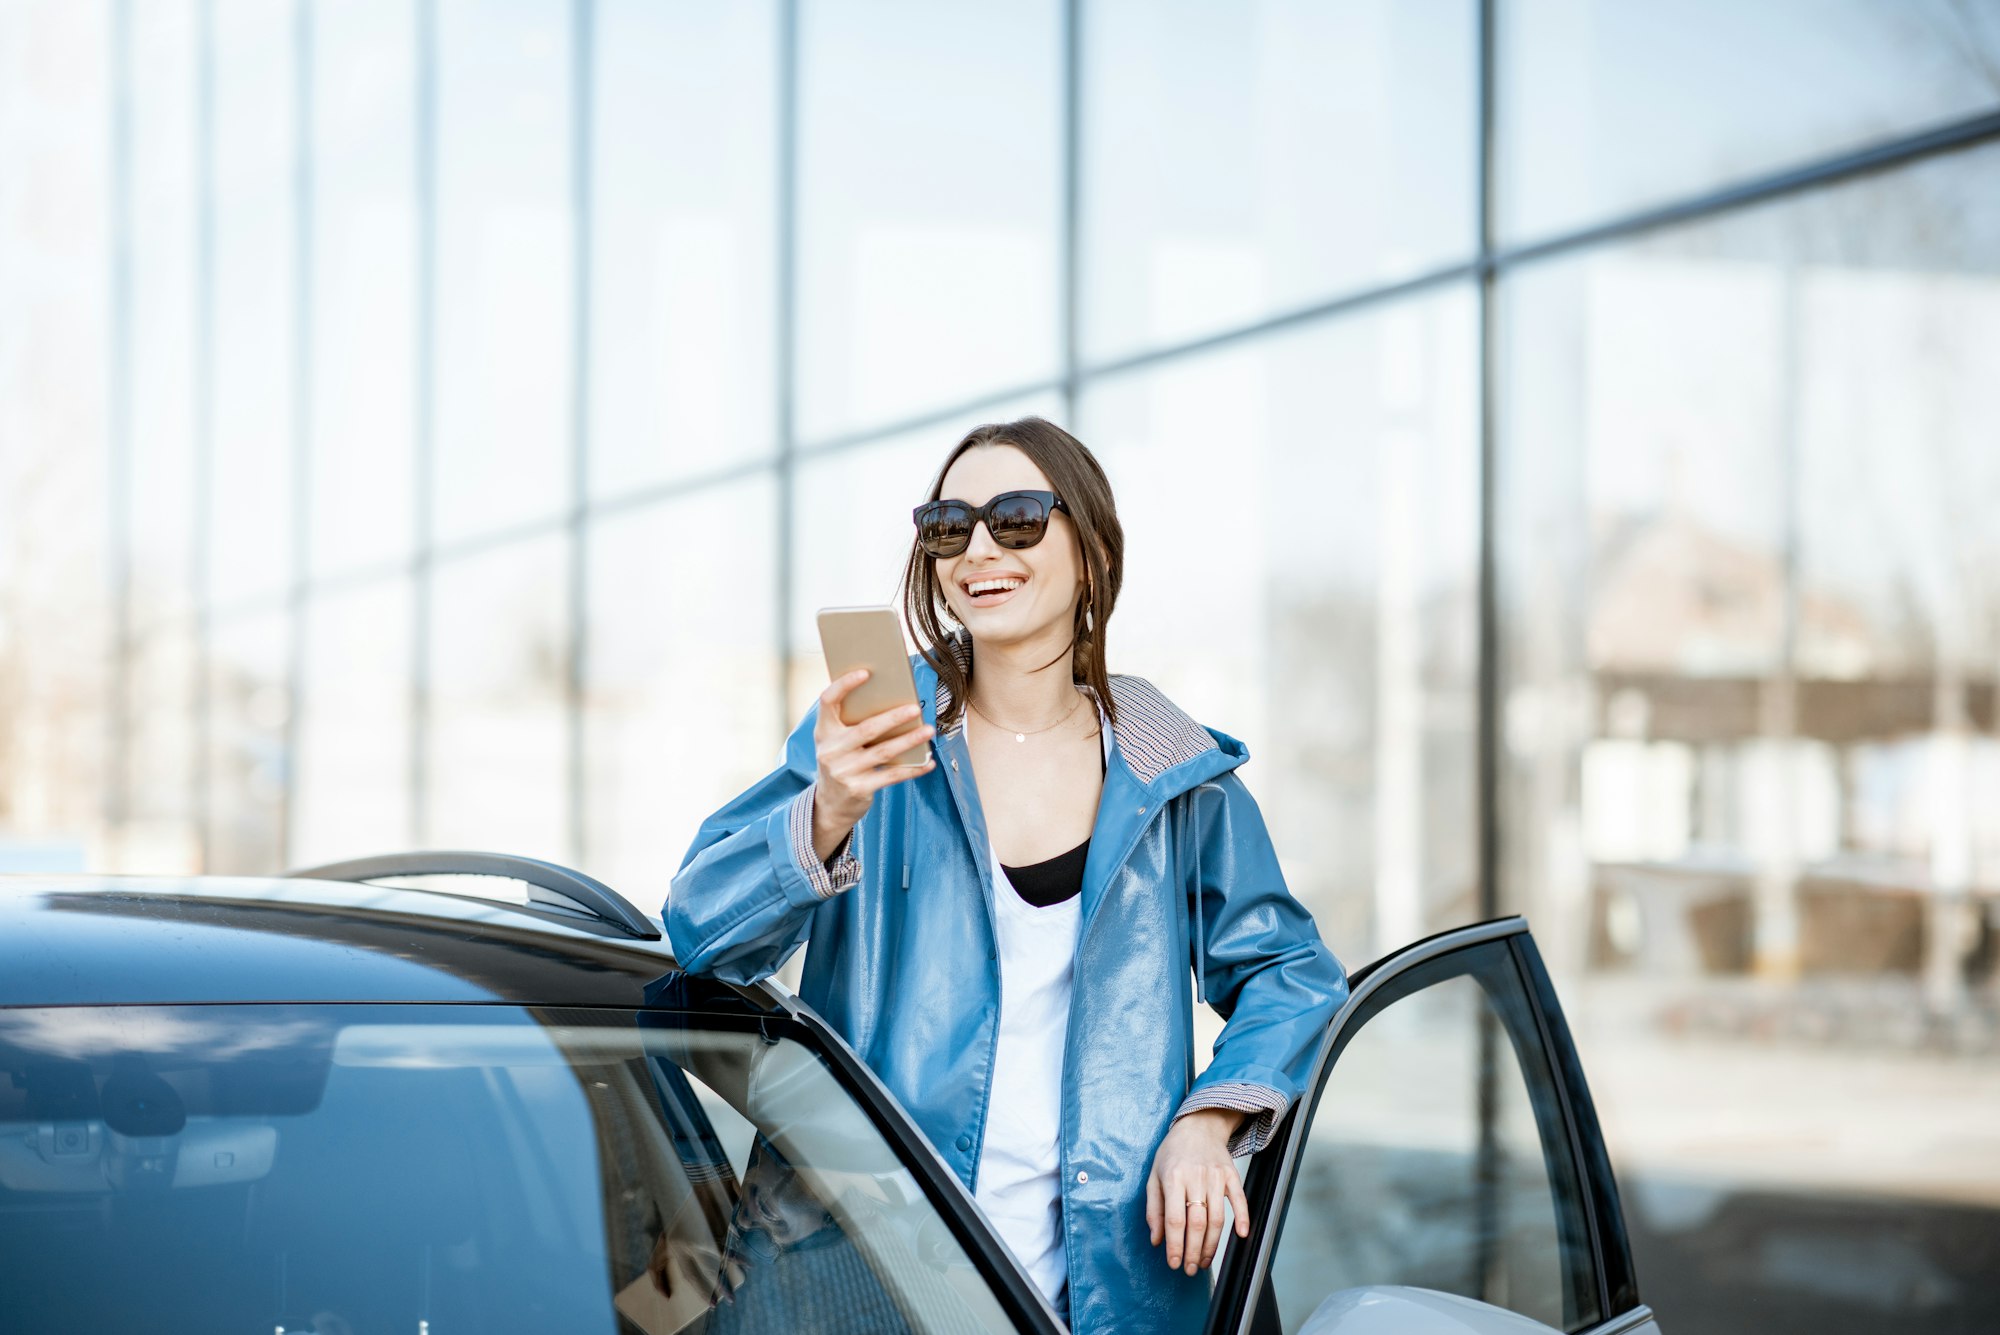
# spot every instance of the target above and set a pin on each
(854, 759)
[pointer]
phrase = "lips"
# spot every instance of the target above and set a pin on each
(995, 598)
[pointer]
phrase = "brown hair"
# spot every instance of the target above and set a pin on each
(1077, 477)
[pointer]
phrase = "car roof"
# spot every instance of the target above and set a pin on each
(127, 940)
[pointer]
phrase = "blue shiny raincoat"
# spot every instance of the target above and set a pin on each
(902, 964)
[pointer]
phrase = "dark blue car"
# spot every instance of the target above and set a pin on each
(442, 1093)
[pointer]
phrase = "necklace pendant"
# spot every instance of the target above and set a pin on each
(1020, 736)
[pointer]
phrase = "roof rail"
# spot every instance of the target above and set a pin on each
(548, 884)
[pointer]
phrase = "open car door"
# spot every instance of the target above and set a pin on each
(1443, 1170)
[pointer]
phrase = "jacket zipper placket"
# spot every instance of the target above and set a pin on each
(964, 797)
(1069, 1027)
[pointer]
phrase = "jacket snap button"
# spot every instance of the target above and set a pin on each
(1082, 1176)
(1142, 811)
(965, 1142)
(954, 764)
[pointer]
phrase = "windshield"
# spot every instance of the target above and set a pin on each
(425, 1170)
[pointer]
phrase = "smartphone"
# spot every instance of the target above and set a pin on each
(871, 637)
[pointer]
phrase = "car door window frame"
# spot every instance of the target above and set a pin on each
(1011, 1286)
(1245, 1269)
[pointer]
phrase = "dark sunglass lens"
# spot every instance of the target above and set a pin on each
(945, 529)
(1018, 521)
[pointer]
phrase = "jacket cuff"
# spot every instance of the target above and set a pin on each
(1264, 1104)
(826, 881)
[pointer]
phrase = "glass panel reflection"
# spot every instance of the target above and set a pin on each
(352, 793)
(161, 485)
(1331, 564)
(56, 554)
(1246, 159)
(682, 697)
(249, 704)
(1605, 107)
(929, 207)
(364, 283)
(1745, 586)
(504, 252)
(161, 829)
(250, 533)
(499, 653)
(1750, 655)
(684, 235)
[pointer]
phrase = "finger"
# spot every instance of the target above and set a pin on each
(880, 725)
(846, 755)
(841, 737)
(877, 779)
(858, 766)
(885, 751)
(829, 723)
(1197, 1228)
(1213, 1237)
(1239, 1204)
(1155, 1212)
(1176, 1199)
(837, 689)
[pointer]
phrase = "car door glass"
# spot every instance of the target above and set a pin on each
(347, 1169)
(1438, 1158)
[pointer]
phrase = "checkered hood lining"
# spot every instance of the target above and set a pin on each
(1153, 733)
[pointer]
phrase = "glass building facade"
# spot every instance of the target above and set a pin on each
(1556, 435)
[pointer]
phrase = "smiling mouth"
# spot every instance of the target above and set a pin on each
(995, 597)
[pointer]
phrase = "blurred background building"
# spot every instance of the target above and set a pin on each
(1573, 424)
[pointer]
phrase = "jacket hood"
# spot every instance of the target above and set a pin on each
(1166, 751)
(1160, 751)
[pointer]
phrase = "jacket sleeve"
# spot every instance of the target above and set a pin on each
(743, 898)
(1264, 968)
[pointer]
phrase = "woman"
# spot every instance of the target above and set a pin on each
(1012, 957)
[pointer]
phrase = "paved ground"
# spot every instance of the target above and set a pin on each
(1794, 1114)
(1788, 1167)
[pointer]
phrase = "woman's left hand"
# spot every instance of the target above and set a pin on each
(1192, 1177)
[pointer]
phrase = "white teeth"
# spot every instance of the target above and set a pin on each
(978, 587)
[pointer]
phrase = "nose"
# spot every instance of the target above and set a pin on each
(981, 542)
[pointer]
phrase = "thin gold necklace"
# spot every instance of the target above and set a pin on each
(1023, 736)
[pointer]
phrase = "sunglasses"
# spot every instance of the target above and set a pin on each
(1016, 519)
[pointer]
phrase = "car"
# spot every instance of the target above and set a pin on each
(433, 1093)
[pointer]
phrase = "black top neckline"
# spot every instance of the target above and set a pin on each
(1052, 880)
(1050, 862)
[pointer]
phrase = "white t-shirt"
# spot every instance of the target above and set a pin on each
(1020, 1161)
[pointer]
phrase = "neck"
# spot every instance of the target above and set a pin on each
(1011, 684)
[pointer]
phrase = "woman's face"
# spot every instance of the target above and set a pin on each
(1047, 577)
